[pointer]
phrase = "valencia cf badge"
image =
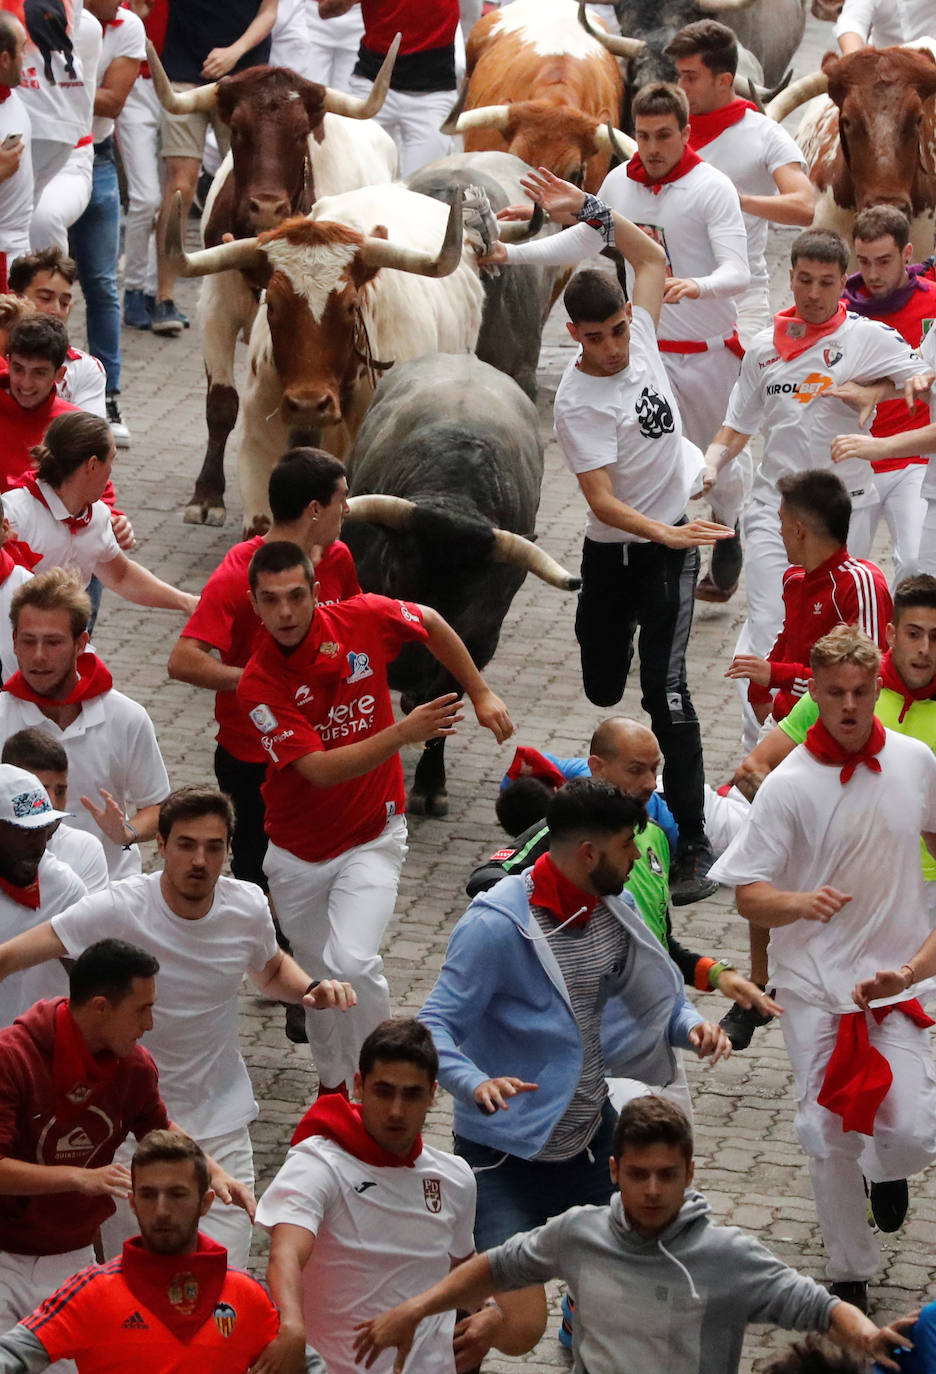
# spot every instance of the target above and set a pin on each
(432, 1192)
(225, 1318)
(183, 1293)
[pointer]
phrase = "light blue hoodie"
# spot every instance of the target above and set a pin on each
(500, 1007)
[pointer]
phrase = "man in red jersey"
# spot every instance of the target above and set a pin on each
(887, 288)
(169, 1303)
(316, 690)
(308, 494)
(36, 353)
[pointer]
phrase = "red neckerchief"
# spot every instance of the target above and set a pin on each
(16, 554)
(114, 24)
(792, 336)
(828, 750)
(895, 683)
(24, 896)
(703, 128)
(74, 522)
(334, 1117)
(181, 1290)
(638, 172)
(553, 891)
(530, 763)
(94, 679)
(858, 1077)
(77, 1074)
(5, 93)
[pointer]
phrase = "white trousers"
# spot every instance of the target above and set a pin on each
(412, 121)
(334, 914)
(702, 383)
(904, 1140)
(896, 497)
(138, 140)
(333, 46)
(63, 200)
(228, 1224)
(48, 158)
(290, 42)
(27, 1280)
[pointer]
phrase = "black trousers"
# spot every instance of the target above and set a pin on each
(242, 781)
(650, 589)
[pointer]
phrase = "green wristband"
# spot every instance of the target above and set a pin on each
(716, 971)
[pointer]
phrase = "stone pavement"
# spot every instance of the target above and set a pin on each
(748, 1162)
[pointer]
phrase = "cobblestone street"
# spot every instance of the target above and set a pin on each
(748, 1163)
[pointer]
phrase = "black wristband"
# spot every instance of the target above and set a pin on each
(312, 986)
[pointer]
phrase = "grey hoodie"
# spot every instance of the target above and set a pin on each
(680, 1302)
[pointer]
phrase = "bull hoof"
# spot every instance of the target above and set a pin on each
(433, 804)
(258, 525)
(201, 514)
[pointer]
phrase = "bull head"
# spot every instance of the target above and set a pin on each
(543, 134)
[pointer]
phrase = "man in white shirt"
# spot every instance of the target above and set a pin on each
(52, 88)
(38, 753)
(114, 760)
(884, 23)
(207, 931)
(829, 863)
(16, 563)
(362, 1210)
(788, 389)
(34, 885)
(16, 173)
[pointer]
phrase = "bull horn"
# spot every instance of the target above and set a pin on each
(225, 257)
(392, 511)
(178, 102)
(353, 107)
(748, 91)
(381, 253)
(615, 141)
(714, 6)
(796, 94)
(615, 42)
(448, 126)
(484, 117)
(523, 553)
(518, 231)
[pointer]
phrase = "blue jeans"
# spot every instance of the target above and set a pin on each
(95, 243)
(516, 1195)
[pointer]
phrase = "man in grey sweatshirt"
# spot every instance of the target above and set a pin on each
(657, 1283)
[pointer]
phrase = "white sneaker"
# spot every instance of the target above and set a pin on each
(114, 418)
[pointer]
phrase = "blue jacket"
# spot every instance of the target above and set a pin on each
(922, 1358)
(500, 1007)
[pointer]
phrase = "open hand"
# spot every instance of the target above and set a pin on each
(495, 1093)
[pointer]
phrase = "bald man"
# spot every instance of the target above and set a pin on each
(627, 754)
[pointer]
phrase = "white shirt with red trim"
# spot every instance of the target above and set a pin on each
(124, 36)
(84, 383)
(8, 586)
(786, 401)
(59, 112)
(16, 193)
(382, 1235)
(928, 354)
(45, 530)
(59, 887)
(806, 830)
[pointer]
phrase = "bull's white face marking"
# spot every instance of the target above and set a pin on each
(549, 27)
(313, 272)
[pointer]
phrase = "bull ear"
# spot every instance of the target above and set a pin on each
(226, 97)
(362, 272)
(832, 66)
(313, 96)
(379, 231)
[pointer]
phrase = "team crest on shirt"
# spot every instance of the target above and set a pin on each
(432, 1193)
(654, 414)
(832, 355)
(264, 719)
(359, 665)
(329, 648)
(182, 1292)
(225, 1318)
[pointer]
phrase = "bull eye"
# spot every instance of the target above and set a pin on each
(844, 123)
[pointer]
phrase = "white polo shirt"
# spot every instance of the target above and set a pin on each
(630, 424)
(806, 830)
(110, 744)
(59, 887)
(8, 587)
(124, 36)
(202, 1077)
(84, 382)
(45, 530)
(16, 193)
(59, 113)
(84, 855)
(381, 1235)
(785, 401)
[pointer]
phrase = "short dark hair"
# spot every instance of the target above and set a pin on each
(522, 803)
(51, 259)
(661, 98)
(278, 556)
(593, 295)
(190, 803)
(912, 591)
(107, 969)
(817, 1356)
(171, 1147)
(39, 336)
(714, 43)
(402, 1037)
(302, 475)
(820, 245)
(35, 751)
(590, 806)
(880, 221)
(821, 501)
(652, 1120)
(69, 442)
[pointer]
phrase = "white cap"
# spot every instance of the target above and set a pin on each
(24, 801)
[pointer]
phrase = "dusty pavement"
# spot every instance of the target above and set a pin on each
(748, 1163)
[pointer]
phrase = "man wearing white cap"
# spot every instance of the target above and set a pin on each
(34, 886)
